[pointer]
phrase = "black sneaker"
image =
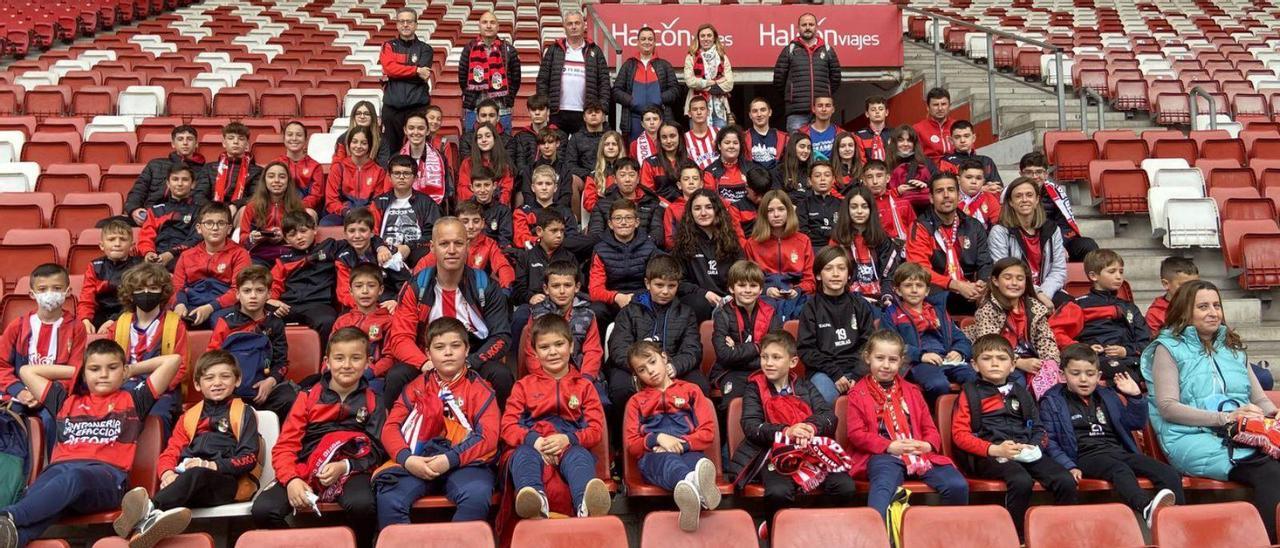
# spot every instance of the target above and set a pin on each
(159, 526)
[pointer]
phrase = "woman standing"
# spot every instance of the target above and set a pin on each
(644, 81)
(1024, 233)
(708, 74)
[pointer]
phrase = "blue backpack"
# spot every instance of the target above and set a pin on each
(253, 355)
(15, 455)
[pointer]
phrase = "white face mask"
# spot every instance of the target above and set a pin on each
(49, 300)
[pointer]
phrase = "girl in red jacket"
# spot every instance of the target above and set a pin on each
(883, 402)
(362, 115)
(485, 151)
(304, 170)
(354, 180)
(611, 148)
(846, 161)
(909, 169)
(274, 196)
(783, 252)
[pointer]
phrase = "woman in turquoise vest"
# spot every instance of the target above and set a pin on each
(1201, 380)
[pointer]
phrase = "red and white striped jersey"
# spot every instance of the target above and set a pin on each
(702, 150)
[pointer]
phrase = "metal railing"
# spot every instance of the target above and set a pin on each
(1195, 107)
(936, 31)
(1087, 93)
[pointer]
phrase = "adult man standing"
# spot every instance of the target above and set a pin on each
(806, 68)
(573, 73)
(406, 64)
(644, 81)
(935, 129)
(488, 68)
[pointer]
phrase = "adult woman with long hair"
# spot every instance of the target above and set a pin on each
(783, 253)
(1199, 375)
(1025, 233)
(707, 243)
(873, 255)
(660, 171)
(709, 75)
(792, 173)
(485, 151)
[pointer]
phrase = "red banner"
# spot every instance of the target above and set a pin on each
(864, 36)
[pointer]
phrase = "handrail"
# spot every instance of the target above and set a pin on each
(1087, 93)
(936, 31)
(1195, 107)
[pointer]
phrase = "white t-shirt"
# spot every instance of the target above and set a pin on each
(573, 81)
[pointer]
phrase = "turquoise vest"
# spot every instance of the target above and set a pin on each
(1205, 382)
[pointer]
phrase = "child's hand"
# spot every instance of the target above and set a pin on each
(774, 293)
(418, 467)
(403, 251)
(264, 388)
(167, 478)
(427, 367)
(254, 237)
(1126, 385)
(389, 306)
(1007, 449)
(1097, 348)
(332, 472)
(931, 357)
(384, 255)
(728, 341)
(994, 187)
(298, 491)
(151, 257)
(88, 326)
(1076, 474)
(180, 309)
(166, 257)
(622, 299)
(954, 357)
(898, 447)
(201, 314)
(25, 397)
(107, 327)
(555, 444)
(670, 444)
(282, 309)
(905, 188)
(1028, 365)
(438, 465)
(801, 432)
(921, 447)
(1115, 351)
(843, 384)
(537, 299)
(712, 298)
(1046, 300)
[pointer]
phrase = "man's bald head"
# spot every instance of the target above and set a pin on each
(449, 243)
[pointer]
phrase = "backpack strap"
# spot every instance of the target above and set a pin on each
(191, 419)
(420, 282)
(236, 415)
(168, 333)
(123, 324)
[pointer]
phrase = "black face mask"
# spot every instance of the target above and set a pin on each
(146, 300)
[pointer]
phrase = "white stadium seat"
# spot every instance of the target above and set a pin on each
(18, 176)
(1157, 197)
(1191, 222)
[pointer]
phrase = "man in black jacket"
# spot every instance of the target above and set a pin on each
(406, 64)
(642, 82)
(573, 73)
(488, 68)
(806, 68)
(150, 187)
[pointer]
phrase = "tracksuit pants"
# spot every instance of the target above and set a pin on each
(936, 380)
(1122, 468)
(198, 488)
(577, 467)
(82, 487)
(665, 470)
(1020, 478)
(271, 509)
(469, 488)
(780, 490)
(887, 472)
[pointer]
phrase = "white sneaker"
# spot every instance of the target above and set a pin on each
(531, 503)
(689, 503)
(159, 526)
(708, 491)
(595, 500)
(134, 508)
(1163, 498)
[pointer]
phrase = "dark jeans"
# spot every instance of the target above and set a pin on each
(1020, 478)
(936, 380)
(279, 401)
(271, 509)
(665, 470)
(887, 472)
(1122, 469)
(1263, 474)
(569, 121)
(577, 467)
(198, 488)
(468, 487)
(66, 488)
(780, 490)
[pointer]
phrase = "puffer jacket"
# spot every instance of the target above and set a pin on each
(623, 86)
(552, 67)
(152, 184)
(803, 72)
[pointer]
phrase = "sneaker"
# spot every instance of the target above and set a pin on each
(689, 503)
(159, 526)
(1163, 498)
(134, 508)
(595, 500)
(8, 531)
(708, 491)
(531, 503)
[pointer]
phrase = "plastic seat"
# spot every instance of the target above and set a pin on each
(141, 101)
(120, 178)
(11, 143)
(1152, 165)
(18, 176)
(982, 525)
(24, 210)
(80, 211)
(1189, 178)
(85, 250)
(320, 103)
(1191, 222)
(305, 356)
(47, 100)
(279, 103)
(1223, 149)
(1158, 197)
(108, 149)
(189, 101)
(333, 537)
(845, 527)
(1222, 524)
(52, 148)
(54, 543)
(1123, 191)
(269, 430)
(718, 528)
(469, 534)
(1098, 167)
(1071, 153)
(1171, 109)
(188, 540)
(1082, 526)
(93, 100)
(1244, 202)
(321, 146)
(1228, 177)
(597, 532)
(1132, 149)
(268, 146)
(1234, 231)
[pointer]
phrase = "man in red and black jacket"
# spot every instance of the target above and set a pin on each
(406, 64)
(935, 129)
(952, 245)
(488, 68)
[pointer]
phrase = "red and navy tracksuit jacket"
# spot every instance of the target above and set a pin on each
(407, 432)
(61, 344)
(871, 143)
(351, 186)
(348, 259)
(321, 411)
(201, 277)
(541, 405)
(169, 227)
(376, 325)
(214, 440)
(309, 176)
(789, 258)
(497, 222)
(305, 276)
(99, 301)
(1102, 317)
(677, 411)
(745, 329)
(236, 321)
(1005, 416)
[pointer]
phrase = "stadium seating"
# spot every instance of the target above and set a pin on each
(333, 537)
(269, 430)
(845, 527)
(598, 532)
(189, 540)
(718, 528)
(1084, 526)
(1223, 524)
(978, 525)
(469, 534)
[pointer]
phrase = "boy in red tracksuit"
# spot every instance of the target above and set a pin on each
(231, 178)
(553, 419)
(203, 275)
(975, 201)
(441, 434)
(483, 253)
(170, 226)
(560, 287)
(46, 335)
(364, 246)
(1174, 271)
(896, 214)
(329, 444)
(254, 332)
(737, 328)
(99, 297)
(669, 427)
(302, 278)
(369, 316)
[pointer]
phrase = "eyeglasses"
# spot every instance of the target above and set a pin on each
(1029, 172)
(623, 218)
(215, 224)
(402, 174)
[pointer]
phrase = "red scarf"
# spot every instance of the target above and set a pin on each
(488, 69)
(896, 420)
(786, 410)
(925, 321)
(699, 71)
(1017, 326)
(861, 254)
(333, 447)
(220, 190)
(430, 179)
(1034, 253)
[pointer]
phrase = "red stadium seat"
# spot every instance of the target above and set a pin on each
(51, 543)
(979, 525)
(235, 102)
(1241, 203)
(598, 532)
(1124, 191)
(189, 540)
(469, 534)
(267, 147)
(63, 179)
(1262, 145)
(320, 103)
(47, 100)
(24, 210)
(719, 528)
(1132, 149)
(188, 101)
(1130, 95)
(120, 178)
(1224, 177)
(845, 527)
(1250, 104)
(11, 98)
(305, 355)
(108, 148)
(333, 537)
(1198, 525)
(81, 211)
(278, 103)
(1261, 261)
(1234, 231)
(93, 100)
(1227, 149)
(26, 248)
(52, 148)
(1098, 167)
(1071, 155)
(1093, 525)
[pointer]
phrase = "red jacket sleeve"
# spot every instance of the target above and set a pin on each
(464, 180)
(633, 439)
(863, 431)
(393, 65)
(596, 289)
(179, 278)
(531, 362)
(147, 234)
(487, 426)
(402, 341)
(513, 434)
(333, 190)
(920, 251)
(344, 289)
(80, 339)
(177, 441)
(523, 233)
(592, 351)
(315, 189)
(284, 455)
(246, 224)
(1067, 323)
(8, 374)
(501, 267)
(88, 303)
(278, 274)
(220, 332)
(700, 439)
(808, 282)
(962, 433)
(239, 261)
(392, 437)
(646, 175)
